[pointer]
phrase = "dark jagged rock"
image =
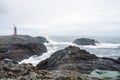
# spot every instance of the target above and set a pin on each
(73, 58)
(68, 58)
(85, 41)
(8, 61)
(22, 51)
(20, 47)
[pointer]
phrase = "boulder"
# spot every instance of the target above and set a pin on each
(68, 58)
(19, 52)
(85, 41)
(74, 58)
(21, 47)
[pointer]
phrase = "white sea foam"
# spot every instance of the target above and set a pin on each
(104, 45)
(58, 43)
(54, 46)
(36, 59)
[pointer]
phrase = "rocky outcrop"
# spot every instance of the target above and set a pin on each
(11, 71)
(85, 41)
(119, 59)
(18, 39)
(73, 58)
(8, 61)
(19, 52)
(22, 72)
(20, 47)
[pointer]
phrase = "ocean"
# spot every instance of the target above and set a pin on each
(108, 47)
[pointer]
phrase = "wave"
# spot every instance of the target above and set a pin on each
(58, 43)
(104, 45)
(36, 59)
(54, 46)
(98, 45)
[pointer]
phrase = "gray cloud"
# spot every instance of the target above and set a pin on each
(61, 17)
(2, 8)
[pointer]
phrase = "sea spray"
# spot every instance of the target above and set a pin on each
(101, 50)
(52, 47)
(104, 45)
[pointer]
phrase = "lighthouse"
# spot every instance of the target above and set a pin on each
(15, 30)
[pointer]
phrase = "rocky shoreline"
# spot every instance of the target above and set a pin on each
(71, 63)
(9, 70)
(74, 58)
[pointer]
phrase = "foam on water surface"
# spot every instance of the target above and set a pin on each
(104, 45)
(104, 74)
(103, 50)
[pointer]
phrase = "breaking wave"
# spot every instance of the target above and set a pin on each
(54, 46)
(104, 45)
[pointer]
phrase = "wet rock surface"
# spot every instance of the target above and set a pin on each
(73, 58)
(85, 41)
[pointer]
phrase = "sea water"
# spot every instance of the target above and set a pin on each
(108, 47)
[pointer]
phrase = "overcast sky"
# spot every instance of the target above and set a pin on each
(60, 17)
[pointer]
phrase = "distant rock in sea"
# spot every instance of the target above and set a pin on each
(76, 59)
(85, 41)
(20, 47)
